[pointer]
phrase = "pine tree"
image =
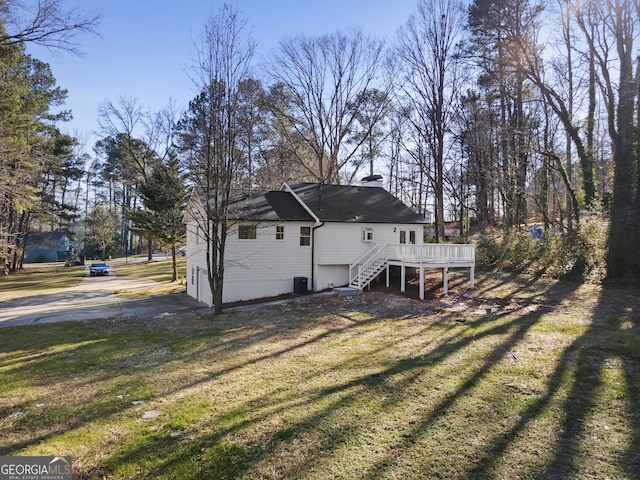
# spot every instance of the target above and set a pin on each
(164, 197)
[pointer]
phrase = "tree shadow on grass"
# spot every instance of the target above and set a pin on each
(514, 332)
(225, 442)
(217, 453)
(610, 341)
(608, 351)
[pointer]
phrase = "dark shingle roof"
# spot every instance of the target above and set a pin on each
(269, 206)
(340, 203)
(329, 203)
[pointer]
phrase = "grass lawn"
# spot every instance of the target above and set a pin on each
(544, 386)
(158, 271)
(46, 279)
(37, 280)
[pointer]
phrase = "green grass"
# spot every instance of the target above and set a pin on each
(159, 271)
(375, 387)
(38, 280)
(46, 279)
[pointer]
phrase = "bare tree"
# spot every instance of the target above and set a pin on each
(610, 29)
(138, 141)
(427, 50)
(101, 230)
(326, 79)
(46, 23)
(128, 121)
(210, 131)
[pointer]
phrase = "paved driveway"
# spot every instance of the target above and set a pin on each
(92, 298)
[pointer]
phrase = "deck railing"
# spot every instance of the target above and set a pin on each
(454, 253)
(360, 271)
(441, 255)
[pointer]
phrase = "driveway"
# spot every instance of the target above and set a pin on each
(93, 298)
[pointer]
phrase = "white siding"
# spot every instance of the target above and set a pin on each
(329, 276)
(340, 244)
(263, 267)
(197, 283)
(266, 266)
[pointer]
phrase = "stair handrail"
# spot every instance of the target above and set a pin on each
(365, 260)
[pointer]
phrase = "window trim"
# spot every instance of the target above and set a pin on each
(279, 232)
(367, 234)
(305, 236)
(407, 235)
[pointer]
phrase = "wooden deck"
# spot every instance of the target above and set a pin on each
(432, 255)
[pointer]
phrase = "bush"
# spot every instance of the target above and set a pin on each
(578, 254)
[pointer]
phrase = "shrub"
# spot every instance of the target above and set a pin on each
(576, 254)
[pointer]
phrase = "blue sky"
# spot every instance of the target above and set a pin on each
(145, 47)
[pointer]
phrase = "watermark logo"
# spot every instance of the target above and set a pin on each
(35, 468)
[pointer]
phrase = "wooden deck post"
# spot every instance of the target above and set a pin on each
(440, 256)
(445, 280)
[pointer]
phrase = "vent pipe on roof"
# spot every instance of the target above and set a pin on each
(372, 181)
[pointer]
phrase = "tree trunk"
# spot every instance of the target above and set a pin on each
(174, 264)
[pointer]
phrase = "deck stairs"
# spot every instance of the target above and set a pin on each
(367, 267)
(431, 255)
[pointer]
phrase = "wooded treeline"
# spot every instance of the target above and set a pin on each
(490, 114)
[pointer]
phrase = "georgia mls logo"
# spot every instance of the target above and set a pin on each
(35, 468)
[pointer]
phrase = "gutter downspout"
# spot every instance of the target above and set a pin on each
(313, 251)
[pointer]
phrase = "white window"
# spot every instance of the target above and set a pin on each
(367, 234)
(279, 233)
(305, 236)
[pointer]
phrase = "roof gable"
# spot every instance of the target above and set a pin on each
(352, 204)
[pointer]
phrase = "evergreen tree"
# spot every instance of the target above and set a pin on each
(164, 197)
(27, 143)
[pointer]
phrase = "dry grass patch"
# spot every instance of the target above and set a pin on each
(375, 387)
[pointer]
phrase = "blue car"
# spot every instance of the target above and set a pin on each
(98, 268)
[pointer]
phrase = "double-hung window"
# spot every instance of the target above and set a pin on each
(305, 236)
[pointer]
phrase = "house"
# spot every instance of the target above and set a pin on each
(45, 246)
(305, 233)
(309, 236)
